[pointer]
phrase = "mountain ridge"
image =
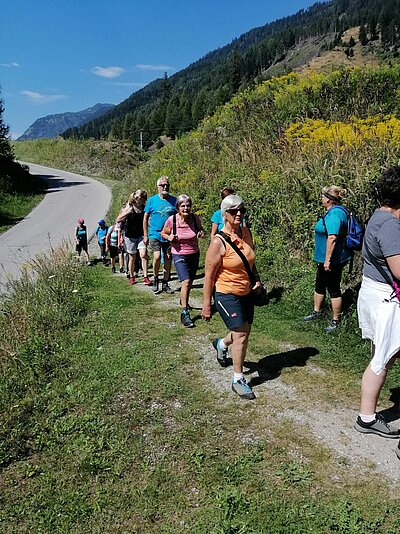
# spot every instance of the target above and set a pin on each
(53, 125)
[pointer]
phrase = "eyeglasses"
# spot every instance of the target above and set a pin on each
(234, 211)
(164, 186)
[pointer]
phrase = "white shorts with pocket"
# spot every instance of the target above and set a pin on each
(133, 244)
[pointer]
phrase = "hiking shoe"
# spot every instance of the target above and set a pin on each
(147, 281)
(222, 354)
(121, 270)
(131, 280)
(398, 451)
(312, 316)
(242, 388)
(128, 274)
(379, 427)
(156, 286)
(332, 327)
(186, 320)
(113, 270)
(167, 288)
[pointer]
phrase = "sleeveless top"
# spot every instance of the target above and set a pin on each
(134, 225)
(232, 277)
(81, 233)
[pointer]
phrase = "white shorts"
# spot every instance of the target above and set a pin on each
(379, 320)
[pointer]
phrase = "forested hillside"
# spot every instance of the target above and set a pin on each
(177, 104)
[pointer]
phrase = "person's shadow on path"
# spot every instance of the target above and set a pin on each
(270, 367)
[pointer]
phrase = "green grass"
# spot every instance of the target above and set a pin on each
(127, 435)
(15, 207)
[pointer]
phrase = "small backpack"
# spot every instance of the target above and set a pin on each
(355, 234)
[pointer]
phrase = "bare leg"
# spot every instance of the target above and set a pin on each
(143, 257)
(239, 343)
(371, 385)
(156, 262)
(132, 264)
(167, 265)
(185, 291)
(318, 301)
(336, 308)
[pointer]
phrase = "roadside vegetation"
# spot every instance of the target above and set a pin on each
(116, 418)
(115, 423)
(109, 160)
(19, 192)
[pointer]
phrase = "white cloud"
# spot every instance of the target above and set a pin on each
(108, 72)
(129, 84)
(154, 67)
(40, 98)
(13, 64)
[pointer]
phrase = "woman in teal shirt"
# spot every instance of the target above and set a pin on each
(330, 255)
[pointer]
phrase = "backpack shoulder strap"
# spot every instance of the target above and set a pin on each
(241, 256)
(196, 226)
(174, 224)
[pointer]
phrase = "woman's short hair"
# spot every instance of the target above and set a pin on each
(334, 193)
(137, 195)
(388, 187)
(183, 198)
(231, 202)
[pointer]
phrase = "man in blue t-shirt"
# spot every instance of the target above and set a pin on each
(157, 210)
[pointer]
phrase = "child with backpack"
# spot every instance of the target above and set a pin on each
(101, 233)
(81, 240)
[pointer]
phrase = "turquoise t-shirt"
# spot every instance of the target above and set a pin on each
(159, 209)
(218, 220)
(336, 224)
(101, 233)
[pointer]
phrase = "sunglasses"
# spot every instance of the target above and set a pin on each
(164, 186)
(234, 211)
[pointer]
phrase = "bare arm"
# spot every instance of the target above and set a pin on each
(330, 247)
(394, 265)
(108, 237)
(215, 252)
(200, 232)
(166, 233)
(214, 228)
(145, 228)
(123, 214)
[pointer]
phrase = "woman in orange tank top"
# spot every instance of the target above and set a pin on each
(226, 273)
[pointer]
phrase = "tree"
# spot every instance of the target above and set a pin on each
(362, 36)
(6, 152)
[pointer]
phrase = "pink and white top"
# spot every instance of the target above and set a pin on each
(186, 242)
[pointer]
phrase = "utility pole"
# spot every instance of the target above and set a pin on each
(141, 138)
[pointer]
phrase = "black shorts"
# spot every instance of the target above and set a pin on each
(186, 265)
(235, 311)
(82, 245)
(329, 280)
(114, 251)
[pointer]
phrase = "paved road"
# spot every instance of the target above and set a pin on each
(69, 196)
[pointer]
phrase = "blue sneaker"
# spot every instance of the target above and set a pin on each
(242, 388)
(222, 354)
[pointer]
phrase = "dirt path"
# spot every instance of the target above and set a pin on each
(280, 402)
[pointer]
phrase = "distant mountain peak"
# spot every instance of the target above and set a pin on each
(53, 125)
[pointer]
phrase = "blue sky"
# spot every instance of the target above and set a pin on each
(67, 55)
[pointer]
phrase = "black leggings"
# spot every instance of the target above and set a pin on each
(329, 280)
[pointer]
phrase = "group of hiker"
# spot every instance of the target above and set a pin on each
(172, 231)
